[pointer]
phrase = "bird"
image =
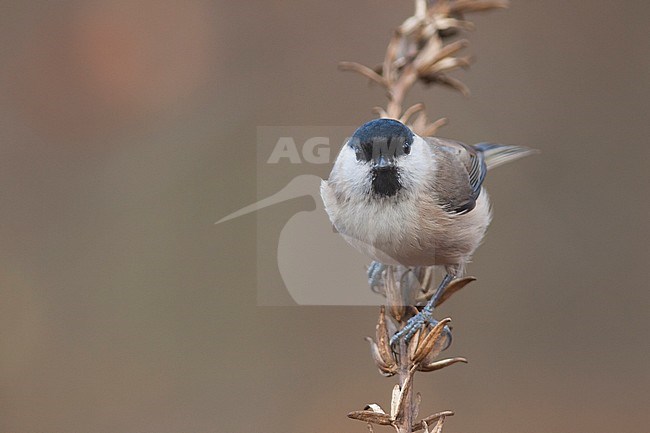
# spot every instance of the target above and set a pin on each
(412, 201)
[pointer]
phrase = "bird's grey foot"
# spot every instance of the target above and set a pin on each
(415, 323)
(375, 274)
(425, 316)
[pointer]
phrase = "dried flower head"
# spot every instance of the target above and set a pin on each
(417, 52)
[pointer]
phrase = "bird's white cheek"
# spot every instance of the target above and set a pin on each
(352, 176)
(418, 167)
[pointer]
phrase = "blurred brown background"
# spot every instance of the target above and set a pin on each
(128, 128)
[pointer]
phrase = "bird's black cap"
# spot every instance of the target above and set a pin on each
(385, 138)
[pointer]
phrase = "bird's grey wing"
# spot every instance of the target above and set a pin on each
(460, 171)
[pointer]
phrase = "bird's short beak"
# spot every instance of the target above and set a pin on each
(382, 162)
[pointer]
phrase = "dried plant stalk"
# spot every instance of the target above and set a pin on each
(404, 361)
(419, 50)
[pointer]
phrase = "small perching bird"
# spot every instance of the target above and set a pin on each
(413, 201)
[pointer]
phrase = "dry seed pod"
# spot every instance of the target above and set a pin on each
(393, 295)
(385, 369)
(399, 399)
(416, 405)
(420, 425)
(437, 365)
(371, 417)
(383, 340)
(451, 288)
(438, 427)
(380, 349)
(432, 342)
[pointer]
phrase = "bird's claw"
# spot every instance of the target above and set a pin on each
(375, 275)
(414, 324)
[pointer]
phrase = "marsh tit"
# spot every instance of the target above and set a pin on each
(407, 200)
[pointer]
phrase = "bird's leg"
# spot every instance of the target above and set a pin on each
(425, 316)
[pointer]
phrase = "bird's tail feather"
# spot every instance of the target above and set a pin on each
(498, 154)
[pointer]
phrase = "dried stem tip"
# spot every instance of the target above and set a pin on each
(417, 52)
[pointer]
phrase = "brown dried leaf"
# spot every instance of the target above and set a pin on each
(447, 81)
(375, 408)
(462, 6)
(393, 295)
(401, 408)
(379, 111)
(419, 124)
(430, 342)
(383, 341)
(406, 116)
(428, 55)
(409, 25)
(427, 59)
(391, 56)
(453, 287)
(374, 351)
(415, 341)
(448, 64)
(437, 365)
(413, 22)
(385, 368)
(430, 420)
(416, 405)
(438, 427)
(432, 128)
(371, 417)
(363, 70)
(394, 401)
(446, 23)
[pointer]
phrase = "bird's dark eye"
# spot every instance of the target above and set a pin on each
(407, 148)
